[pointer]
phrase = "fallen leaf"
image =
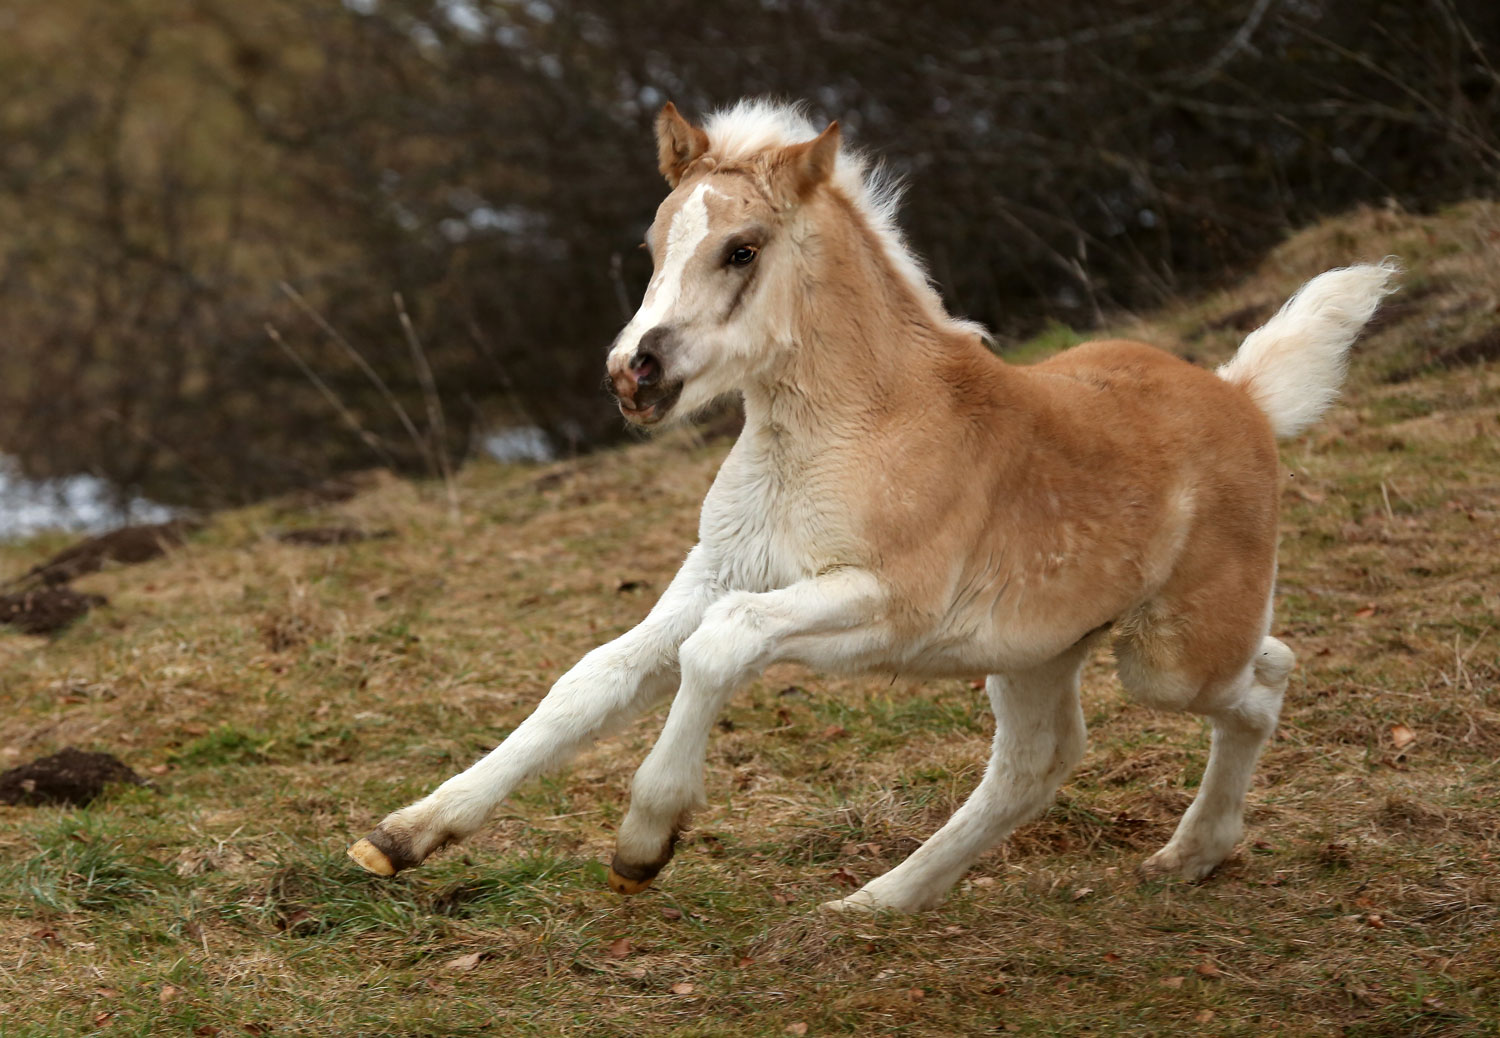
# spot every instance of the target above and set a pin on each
(107, 992)
(833, 731)
(1376, 921)
(1111, 957)
(682, 988)
(746, 961)
(205, 1031)
(916, 994)
(1402, 736)
(671, 913)
(1082, 892)
(102, 1018)
(169, 993)
(844, 878)
(1172, 982)
(1365, 611)
(302, 915)
(464, 962)
(1207, 969)
(1204, 1016)
(797, 1028)
(619, 948)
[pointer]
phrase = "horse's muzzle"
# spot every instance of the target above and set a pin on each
(641, 389)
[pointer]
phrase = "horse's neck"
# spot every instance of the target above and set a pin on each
(868, 352)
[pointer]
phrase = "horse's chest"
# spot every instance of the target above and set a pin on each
(768, 531)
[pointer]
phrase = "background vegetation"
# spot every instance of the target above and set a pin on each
(281, 698)
(178, 175)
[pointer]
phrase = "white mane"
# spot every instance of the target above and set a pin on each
(754, 126)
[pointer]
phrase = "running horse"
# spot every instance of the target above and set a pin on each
(903, 500)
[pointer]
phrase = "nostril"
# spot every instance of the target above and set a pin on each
(646, 369)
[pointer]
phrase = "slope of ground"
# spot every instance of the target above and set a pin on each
(282, 697)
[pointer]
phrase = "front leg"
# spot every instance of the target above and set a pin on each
(604, 691)
(833, 621)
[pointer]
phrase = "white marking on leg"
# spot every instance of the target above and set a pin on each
(828, 621)
(604, 690)
(1213, 823)
(1039, 739)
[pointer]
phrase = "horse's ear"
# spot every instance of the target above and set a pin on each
(678, 143)
(801, 167)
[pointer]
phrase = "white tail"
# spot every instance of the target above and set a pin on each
(1292, 366)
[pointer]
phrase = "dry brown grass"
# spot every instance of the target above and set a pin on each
(283, 697)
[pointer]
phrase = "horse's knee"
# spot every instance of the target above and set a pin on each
(726, 644)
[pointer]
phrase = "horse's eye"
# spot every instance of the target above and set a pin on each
(743, 256)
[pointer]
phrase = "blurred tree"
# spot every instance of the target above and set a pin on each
(169, 163)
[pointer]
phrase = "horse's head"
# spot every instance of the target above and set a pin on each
(725, 247)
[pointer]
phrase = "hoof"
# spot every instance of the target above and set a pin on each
(847, 906)
(620, 885)
(372, 858)
(863, 902)
(1170, 863)
(384, 855)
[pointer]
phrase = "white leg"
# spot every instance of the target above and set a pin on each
(1039, 738)
(1241, 725)
(830, 621)
(606, 689)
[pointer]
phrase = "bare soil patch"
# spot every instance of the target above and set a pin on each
(70, 776)
(46, 610)
(127, 546)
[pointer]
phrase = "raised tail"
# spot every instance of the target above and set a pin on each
(1292, 366)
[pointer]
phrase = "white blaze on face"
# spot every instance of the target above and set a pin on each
(689, 228)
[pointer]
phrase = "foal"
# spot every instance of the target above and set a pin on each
(903, 501)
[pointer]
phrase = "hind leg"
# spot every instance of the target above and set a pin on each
(1039, 738)
(1243, 716)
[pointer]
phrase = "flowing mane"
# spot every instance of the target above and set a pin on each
(755, 127)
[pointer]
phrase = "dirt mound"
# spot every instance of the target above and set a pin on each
(1477, 350)
(322, 536)
(70, 776)
(47, 609)
(129, 545)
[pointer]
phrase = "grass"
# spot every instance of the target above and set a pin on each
(281, 699)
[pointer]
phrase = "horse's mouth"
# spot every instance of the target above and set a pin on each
(655, 408)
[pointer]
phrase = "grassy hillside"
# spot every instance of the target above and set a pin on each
(282, 698)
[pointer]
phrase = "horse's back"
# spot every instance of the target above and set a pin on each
(1145, 400)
